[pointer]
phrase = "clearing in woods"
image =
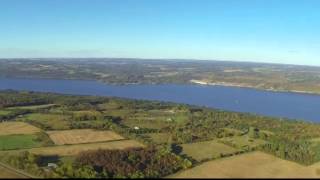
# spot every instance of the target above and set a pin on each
(159, 138)
(48, 121)
(251, 165)
(242, 142)
(207, 150)
(79, 136)
(10, 128)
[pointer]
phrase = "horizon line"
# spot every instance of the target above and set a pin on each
(161, 59)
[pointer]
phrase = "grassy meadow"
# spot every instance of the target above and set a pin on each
(12, 142)
(250, 165)
(80, 136)
(10, 128)
(207, 150)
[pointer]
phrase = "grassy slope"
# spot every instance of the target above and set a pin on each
(250, 165)
(206, 150)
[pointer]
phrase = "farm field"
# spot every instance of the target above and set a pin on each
(251, 165)
(159, 138)
(48, 121)
(84, 112)
(71, 150)
(6, 173)
(10, 128)
(154, 119)
(242, 142)
(33, 107)
(207, 150)
(3, 112)
(118, 112)
(315, 140)
(145, 123)
(181, 140)
(11, 142)
(79, 136)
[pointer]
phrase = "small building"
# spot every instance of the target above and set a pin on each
(52, 165)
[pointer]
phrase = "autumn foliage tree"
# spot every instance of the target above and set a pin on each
(133, 163)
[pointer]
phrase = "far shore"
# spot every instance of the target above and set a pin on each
(193, 81)
(226, 84)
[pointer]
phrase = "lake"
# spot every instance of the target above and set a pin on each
(277, 104)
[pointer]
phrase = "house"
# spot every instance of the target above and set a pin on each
(52, 165)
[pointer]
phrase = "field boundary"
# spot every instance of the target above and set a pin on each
(85, 143)
(82, 136)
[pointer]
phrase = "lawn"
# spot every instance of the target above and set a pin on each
(12, 142)
(207, 150)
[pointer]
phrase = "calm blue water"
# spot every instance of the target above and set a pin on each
(289, 105)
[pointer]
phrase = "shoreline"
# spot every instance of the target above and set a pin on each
(224, 84)
(192, 81)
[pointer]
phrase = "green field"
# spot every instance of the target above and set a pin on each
(11, 142)
(207, 150)
(154, 119)
(48, 121)
(4, 112)
(89, 113)
(119, 112)
(233, 131)
(146, 123)
(33, 107)
(72, 150)
(242, 142)
(159, 138)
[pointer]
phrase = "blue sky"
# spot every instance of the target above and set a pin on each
(281, 31)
